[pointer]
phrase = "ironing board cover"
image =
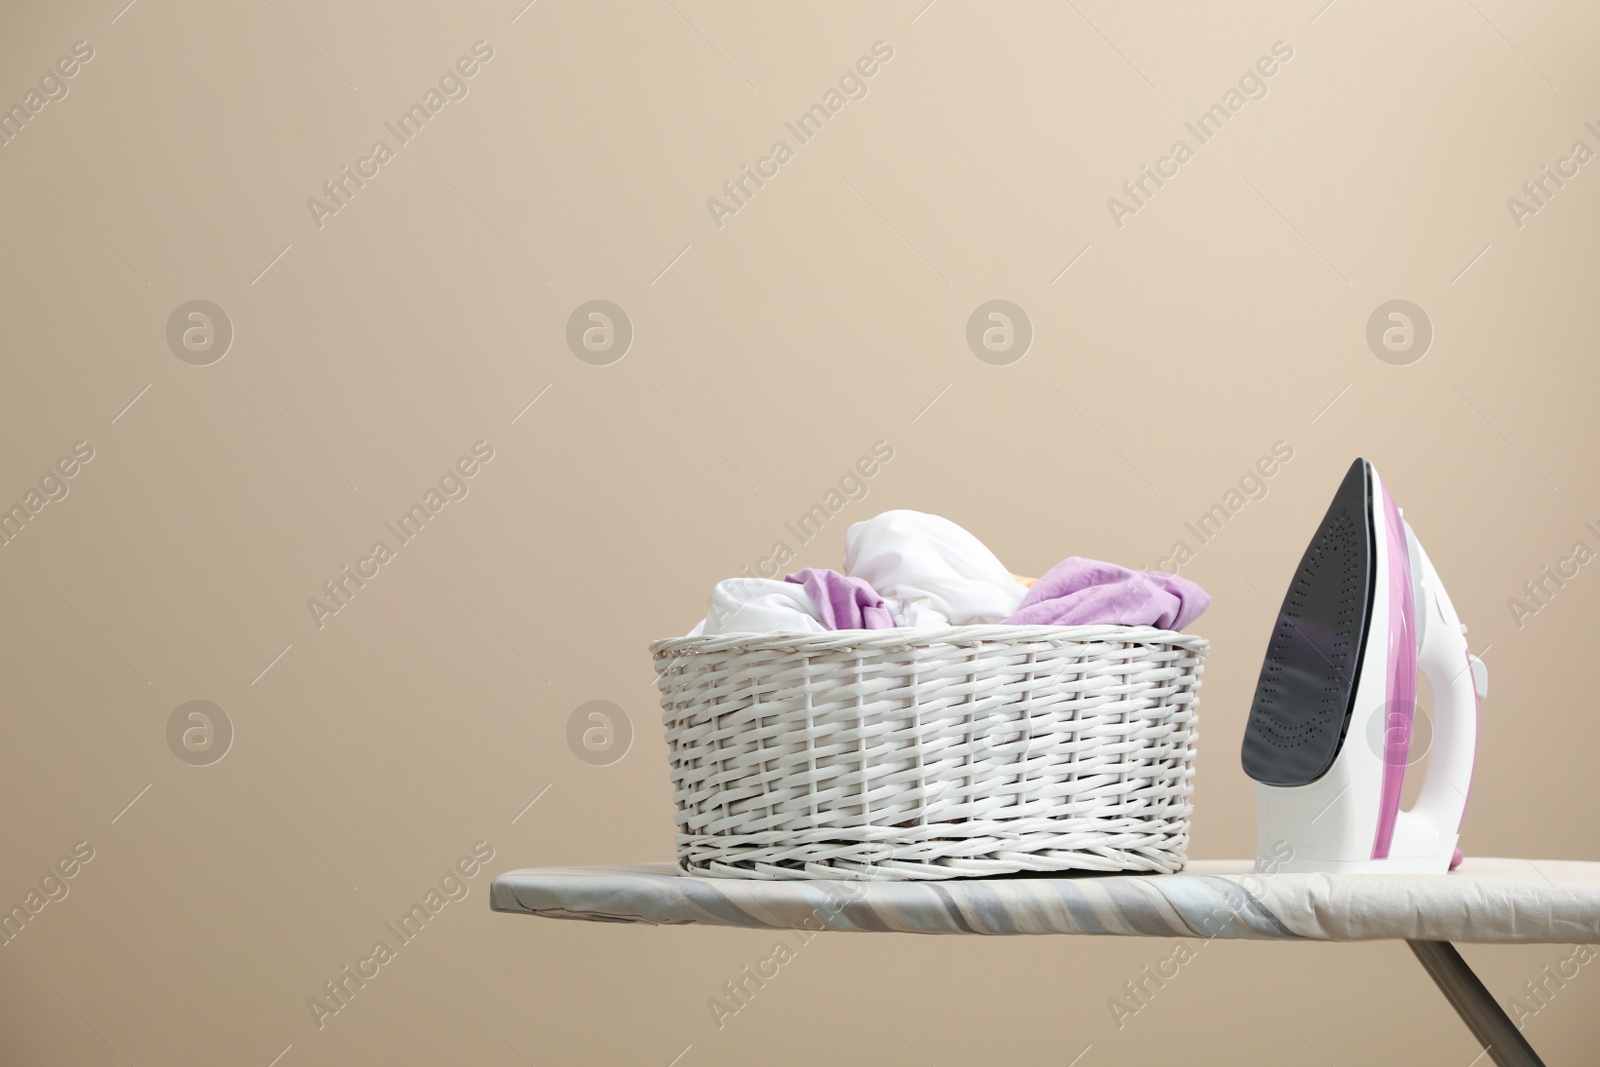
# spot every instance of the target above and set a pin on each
(1485, 900)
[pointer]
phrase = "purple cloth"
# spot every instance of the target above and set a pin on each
(1086, 592)
(843, 602)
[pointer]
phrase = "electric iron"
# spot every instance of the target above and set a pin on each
(1329, 736)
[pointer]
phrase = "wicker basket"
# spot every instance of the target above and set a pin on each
(931, 753)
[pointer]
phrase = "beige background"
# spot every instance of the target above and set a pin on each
(1228, 314)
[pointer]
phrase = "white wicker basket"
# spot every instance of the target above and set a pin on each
(931, 753)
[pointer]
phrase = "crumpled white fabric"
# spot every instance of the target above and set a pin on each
(915, 611)
(759, 605)
(930, 571)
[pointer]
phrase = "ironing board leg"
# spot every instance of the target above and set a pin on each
(1494, 1031)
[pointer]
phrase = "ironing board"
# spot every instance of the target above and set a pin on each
(1491, 901)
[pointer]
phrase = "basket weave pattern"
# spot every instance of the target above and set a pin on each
(931, 753)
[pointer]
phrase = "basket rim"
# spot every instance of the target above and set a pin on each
(903, 637)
